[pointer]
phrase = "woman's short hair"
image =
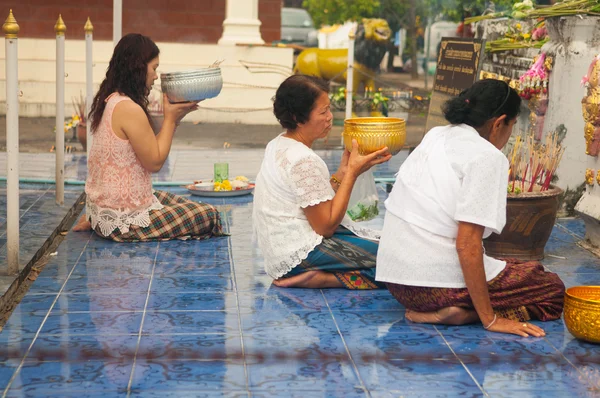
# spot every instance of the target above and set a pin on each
(295, 99)
(481, 102)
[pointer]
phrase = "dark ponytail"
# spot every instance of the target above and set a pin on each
(484, 100)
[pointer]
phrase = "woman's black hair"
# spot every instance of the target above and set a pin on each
(484, 100)
(126, 74)
(295, 99)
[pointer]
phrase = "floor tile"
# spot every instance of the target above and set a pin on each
(191, 347)
(463, 392)
(14, 347)
(285, 321)
(188, 375)
(99, 302)
(302, 375)
(527, 374)
(46, 286)
(93, 323)
(191, 322)
(73, 348)
(191, 284)
(70, 394)
(23, 324)
(281, 299)
(163, 301)
(540, 393)
(416, 376)
(49, 377)
(191, 267)
(194, 393)
(7, 369)
(333, 393)
(267, 347)
(105, 283)
(365, 300)
(35, 303)
(379, 322)
(395, 346)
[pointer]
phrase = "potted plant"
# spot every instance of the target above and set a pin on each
(532, 202)
(79, 120)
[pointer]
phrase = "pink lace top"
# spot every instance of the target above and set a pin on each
(119, 189)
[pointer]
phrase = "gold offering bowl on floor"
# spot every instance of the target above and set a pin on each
(374, 133)
(582, 312)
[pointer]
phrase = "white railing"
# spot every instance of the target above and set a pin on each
(11, 30)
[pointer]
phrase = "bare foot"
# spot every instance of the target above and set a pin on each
(82, 225)
(310, 280)
(444, 316)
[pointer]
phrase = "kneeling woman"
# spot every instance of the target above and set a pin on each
(298, 207)
(121, 204)
(450, 194)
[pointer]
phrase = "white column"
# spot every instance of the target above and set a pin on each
(350, 75)
(241, 25)
(117, 21)
(60, 30)
(89, 87)
(11, 30)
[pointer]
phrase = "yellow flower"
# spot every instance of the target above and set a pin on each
(518, 26)
(526, 36)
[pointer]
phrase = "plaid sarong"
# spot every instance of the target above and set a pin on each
(178, 219)
(350, 258)
(522, 291)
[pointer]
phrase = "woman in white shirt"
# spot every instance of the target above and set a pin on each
(298, 206)
(449, 195)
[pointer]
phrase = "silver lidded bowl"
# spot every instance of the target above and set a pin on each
(193, 85)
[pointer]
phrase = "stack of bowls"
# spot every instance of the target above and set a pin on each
(582, 312)
(194, 85)
(375, 133)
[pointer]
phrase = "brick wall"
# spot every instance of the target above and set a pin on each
(180, 21)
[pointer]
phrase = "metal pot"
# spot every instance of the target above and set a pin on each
(194, 85)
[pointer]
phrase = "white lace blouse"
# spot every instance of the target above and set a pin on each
(291, 178)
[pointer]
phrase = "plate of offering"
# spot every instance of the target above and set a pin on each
(239, 186)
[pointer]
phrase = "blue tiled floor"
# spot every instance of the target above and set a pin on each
(201, 319)
(39, 217)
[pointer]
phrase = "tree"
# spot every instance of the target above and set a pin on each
(330, 12)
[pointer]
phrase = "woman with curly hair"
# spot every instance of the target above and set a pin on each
(299, 209)
(121, 204)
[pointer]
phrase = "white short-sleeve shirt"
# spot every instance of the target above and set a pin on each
(411, 255)
(292, 177)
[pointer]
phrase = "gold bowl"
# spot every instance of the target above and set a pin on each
(582, 312)
(374, 133)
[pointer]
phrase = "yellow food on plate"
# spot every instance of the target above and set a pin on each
(241, 178)
(225, 185)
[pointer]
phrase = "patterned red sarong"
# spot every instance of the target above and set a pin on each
(522, 291)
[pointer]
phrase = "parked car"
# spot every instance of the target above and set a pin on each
(297, 27)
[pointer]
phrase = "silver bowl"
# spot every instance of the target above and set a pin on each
(194, 85)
